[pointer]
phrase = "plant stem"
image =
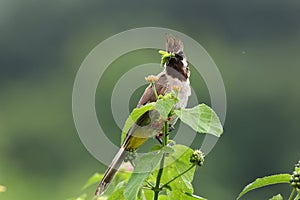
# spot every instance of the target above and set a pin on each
(157, 189)
(154, 90)
(165, 133)
(297, 197)
(159, 174)
(292, 194)
(149, 184)
(173, 179)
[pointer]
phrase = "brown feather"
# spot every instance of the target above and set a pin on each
(148, 96)
(173, 44)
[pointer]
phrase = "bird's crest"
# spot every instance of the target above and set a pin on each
(173, 44)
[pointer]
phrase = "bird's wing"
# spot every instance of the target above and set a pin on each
(148, 96)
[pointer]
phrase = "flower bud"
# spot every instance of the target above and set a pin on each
(297, 165)
(295, 177)
(197, 158)
(151, 79)
(176, 88)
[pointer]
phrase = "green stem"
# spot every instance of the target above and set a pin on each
(297, 197)
(149, 184)
(157, 189)
(159, 174)
(165, 133)
(154, 90)
(173, 179)
(292, 194)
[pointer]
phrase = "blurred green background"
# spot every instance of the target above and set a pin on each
(255, 44)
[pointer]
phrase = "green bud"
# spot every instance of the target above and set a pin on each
(197, 158)
(295, 177)
(298, 164)
(295, 173)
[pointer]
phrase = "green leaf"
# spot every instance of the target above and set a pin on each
(176, 194)
(175, 164)
(202, 119)
(265, 181)
(144, 166)
(277, 197)
(163, 197)
(165, 56)
(168, 149)
(120, 179)
(156, 147)
(92, 180)
(165, 105)
(162, 52)
(148, 194)
(135, 114)
(118, 192)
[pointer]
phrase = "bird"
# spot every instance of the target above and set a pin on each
(176, 73)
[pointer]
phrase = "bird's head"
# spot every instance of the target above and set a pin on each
(177, 64)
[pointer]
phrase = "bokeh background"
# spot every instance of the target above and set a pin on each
(255, 44)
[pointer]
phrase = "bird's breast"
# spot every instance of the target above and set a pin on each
(184, 92)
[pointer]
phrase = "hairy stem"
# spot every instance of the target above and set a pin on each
(157, 189)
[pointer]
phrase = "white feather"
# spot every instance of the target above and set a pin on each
(184, 62)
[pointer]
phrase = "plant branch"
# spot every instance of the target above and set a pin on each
(173, 179)
(149, 183)
(297, 197)
(157, 189)
(165, 133)
(292, 194)
(159, 174)
(154, 90)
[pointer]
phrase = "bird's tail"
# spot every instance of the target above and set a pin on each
(111, 172)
